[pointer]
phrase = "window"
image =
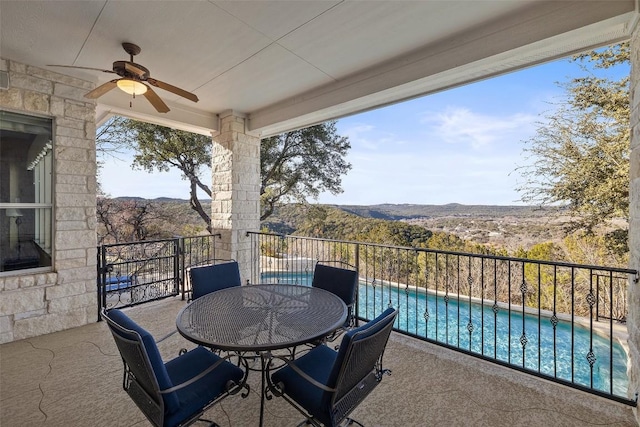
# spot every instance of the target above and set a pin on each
(26, 172)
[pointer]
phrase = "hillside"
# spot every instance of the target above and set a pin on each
(510, 227)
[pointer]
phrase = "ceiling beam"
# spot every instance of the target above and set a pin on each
(550, 31)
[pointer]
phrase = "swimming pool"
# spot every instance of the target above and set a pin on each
(525, 341)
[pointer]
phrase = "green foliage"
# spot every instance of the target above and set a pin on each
(161, 148)
(300, 164)
(446, 242)
(546, 251)
(581, 153)
(450, 242)
(583, 248)
(333, 223)
(272, 247)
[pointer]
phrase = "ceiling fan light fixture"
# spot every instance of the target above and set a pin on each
(132, 87)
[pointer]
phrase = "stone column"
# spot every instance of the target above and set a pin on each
(235, 188)
(633, 321)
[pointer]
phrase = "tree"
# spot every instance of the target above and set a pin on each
(581, 153)
(161, 148)
(109, 137)
(300, 164)
(127, 220)
(294, 165)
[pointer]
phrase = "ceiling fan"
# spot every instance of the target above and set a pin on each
(134, 80)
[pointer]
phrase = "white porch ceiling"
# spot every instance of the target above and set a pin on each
(290, 64)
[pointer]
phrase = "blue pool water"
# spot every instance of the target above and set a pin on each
(476, 328)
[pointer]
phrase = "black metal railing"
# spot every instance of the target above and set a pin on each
(137, 272)
(560, 321)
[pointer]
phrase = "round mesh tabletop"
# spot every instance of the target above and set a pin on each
(261, 317)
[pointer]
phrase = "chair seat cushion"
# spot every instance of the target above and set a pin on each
(318, 364)
(197, 395)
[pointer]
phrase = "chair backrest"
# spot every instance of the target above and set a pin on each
(145, 372)
(211, 278)
(359, 355)
(343, 282)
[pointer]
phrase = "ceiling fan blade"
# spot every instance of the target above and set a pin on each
(133, 69)
(155, 100)
(170, 88)
(82, 68)
(102, 89)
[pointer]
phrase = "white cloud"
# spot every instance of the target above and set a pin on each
(461, 125)
(369, 137)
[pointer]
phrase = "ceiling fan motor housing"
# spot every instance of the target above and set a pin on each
(120, 68)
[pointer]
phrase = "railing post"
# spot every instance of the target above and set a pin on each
(182, 255)
(213, 245)
(255, 256)
(98, 280)
(176, 264)
(357, 264)
(102, 278)
(598, 298)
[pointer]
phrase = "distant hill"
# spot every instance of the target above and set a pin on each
(160, 199)
(410, 211)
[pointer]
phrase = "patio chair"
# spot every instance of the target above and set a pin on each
(175, 393)
(210, 278)
(327, 385)
(342, 282)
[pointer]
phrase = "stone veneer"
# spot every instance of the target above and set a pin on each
(633, 321)
(36, 304)
(235, 204)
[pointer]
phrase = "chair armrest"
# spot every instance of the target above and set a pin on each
(303, 374)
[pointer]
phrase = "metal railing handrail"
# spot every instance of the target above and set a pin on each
(466, 254)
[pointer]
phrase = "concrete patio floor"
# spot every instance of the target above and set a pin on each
(74, 378)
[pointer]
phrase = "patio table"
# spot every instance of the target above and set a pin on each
(258, 319)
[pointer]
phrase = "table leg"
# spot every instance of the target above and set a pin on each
(264, 359)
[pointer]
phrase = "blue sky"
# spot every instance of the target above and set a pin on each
(462, 145)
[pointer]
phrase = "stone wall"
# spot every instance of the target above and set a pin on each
(36, 304)
(633, 321)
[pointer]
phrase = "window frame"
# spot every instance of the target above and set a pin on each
(46, 243)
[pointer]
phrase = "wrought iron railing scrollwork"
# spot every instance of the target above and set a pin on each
(137, 272)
